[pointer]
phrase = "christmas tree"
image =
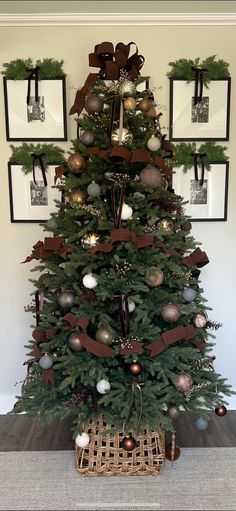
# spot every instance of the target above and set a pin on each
(122, 329)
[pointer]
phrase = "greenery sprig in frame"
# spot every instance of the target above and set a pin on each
(182, 68)
(183, 154)
(21, 155)
(48, 68)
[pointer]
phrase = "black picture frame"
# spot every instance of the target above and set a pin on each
(208, 203)
(208, 120)
(30, 203)
(45, 120)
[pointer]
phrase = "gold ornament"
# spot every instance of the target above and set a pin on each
(126, 89)
(129, 104)
(126, 137)
(183, 382)
(89, 240)
(151, 176)
(154, 277)
(76, 163)
(151, 112)
(78, 196)
(165, 225)
(170, 312)
(144, 105)
(104, 336)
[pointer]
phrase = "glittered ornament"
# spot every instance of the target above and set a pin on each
(94, 189)
(221, 410)
(201, 423)
(87, 138)
(170, 312)
(82, 440)
(126, 212)
(200, 321)
(126, 137)
(183, 382)
(189, 294)
(154, 143)
(186, 226)
(89, 281)
(173, 411)
(74, 342)
(126, 89)
(93, 104)
(89, 240)
(103, 386)
(76, 163)
(144, 105)
(151, 176)
(165, 225)
(52, 224)
(172, 454)
(129, 104)
(135, 368)
(66, 299)
(45, 362)
(154, 276)
(104, 336)
(129, 443)
(78, 196)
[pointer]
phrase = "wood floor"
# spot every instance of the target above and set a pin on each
(21, 433)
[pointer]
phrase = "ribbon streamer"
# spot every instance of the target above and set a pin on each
(179, 333)
(124, 313)
(43, 250)
(117, 209)
(198, 160)
(33, 75)
(198, 89)
(39, 157)
(135, 385)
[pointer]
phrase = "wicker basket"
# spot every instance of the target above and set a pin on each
(104, 455)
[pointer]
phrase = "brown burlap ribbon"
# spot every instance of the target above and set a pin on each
(196, 258)
(47, 374)
(110, 62)
(48, 247)
(59, 171)
(179, 333)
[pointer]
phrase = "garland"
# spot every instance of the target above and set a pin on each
(48, 68)
(184, 154)
(183, 68)
(21, 155)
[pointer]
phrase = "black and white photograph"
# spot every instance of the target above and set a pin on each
(30, 200)
(44, 119)
(209, 119)
(206, 202)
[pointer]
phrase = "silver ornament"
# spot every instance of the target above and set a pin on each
(94, 189)
(126, 88)
(66, 299)
(189, 294)
(74, 342)
(45, 362)
(52, 224)
(126, 137)
(87, 138)
(201, 423)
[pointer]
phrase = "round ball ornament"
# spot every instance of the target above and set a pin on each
(173, 411)
(151, 112)
(45, 362)
(129, 443)
(200, 321)
(52, 224)
(172, 454)
(82, 440)
(78, 196)
(76, 163)
(104, 336)
(221, 410)
(66, 299)
(154, 277)
(129, 104)
(131, 306)
(126, 212)
(151, 176)
(93, 104)
(189, 294)
(126, 137)
(170, 312)
(75, 342)
(165, 225)
(154, 143)
(87, 138)
(94, 189)
(90, 240)
(183, 382)
(201, 423)
(135, 368)
(103, 386)
(89, 281)
(186, 226)
(126, 89)
(144, 105)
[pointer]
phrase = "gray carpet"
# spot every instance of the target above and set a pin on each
(200, 479)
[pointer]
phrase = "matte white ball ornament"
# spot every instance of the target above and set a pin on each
(103, 386)
(126, 212)
(94, 189)
(89, 281)
(82, 440)
(131, 306)
(154, 143)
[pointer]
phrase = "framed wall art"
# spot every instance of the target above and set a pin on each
(208, 119)
(30, 200)
(209, 201)
(44, 119)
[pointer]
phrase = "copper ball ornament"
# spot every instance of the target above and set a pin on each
(173, 411)
(151, 176)
(129, 443)
(165, 225)
(126, 137)
(126, 89)
(183, 382)
(90, 240)
(170, 312)
(151, 113)
(172, 454)
(144, 105)
(135, 368)
(129, 104)
(74, 342)
(104, 336)
(76, 163)
(93, 104)
(221, 410)
(78, 196)
(154, 277)
(87, 138)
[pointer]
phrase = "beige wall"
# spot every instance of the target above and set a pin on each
(159, 45)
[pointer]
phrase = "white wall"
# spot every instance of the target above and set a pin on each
(159, 45)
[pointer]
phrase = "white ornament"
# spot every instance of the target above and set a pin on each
(89, 281)
(154, 143)
(126, 212)
(94, 189)
(103, 386)
(82, 440)
(131, 306)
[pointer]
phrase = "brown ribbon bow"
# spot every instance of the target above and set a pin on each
(179, 333)
(196, 258)
(42, 250)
